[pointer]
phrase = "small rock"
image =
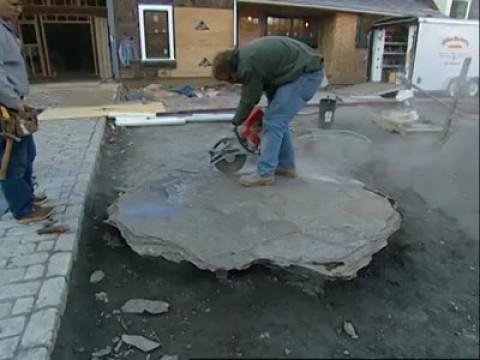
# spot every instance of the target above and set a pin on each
(139, 306)
(264, 336)
(102, 296)
(472, 268)
(169, 357)
(287, 351)
(103, 352)
(140, 343)
(118, 346)
(97, 276)
(350, 330)
(207, 310)
(346, 353)
(188, 346)
(79, 350)
(454, 306)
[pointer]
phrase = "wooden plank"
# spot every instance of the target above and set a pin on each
(94, 44)
(103, 53)
(71, 113)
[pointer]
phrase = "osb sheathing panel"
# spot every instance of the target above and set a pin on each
(326, 44)
(346, 64)
(192, 45)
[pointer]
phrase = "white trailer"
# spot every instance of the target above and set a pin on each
(430, 51)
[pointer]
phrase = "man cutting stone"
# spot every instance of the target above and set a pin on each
(17, 185)
(289, 72)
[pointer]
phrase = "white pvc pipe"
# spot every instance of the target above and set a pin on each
(139, 121)
(146, 120)
(115, 114)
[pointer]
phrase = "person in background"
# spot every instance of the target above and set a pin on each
(289, 72)
(18, 185)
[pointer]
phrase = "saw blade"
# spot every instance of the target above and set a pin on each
(231, 164)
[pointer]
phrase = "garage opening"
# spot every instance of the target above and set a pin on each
(70, 50)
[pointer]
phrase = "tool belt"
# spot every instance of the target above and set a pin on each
(13, 127)
(17, 125)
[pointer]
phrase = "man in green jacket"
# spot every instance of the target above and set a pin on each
(289, 72)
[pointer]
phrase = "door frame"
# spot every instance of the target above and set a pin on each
(67, 19)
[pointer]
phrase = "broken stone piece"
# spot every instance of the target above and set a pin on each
(139, 306)
(140, 342)
(350, 330)
(103, 352)
(97, 276)
(102, 296)
(264, 336)
(169, 357)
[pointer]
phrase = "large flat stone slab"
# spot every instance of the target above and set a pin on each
(323, 223)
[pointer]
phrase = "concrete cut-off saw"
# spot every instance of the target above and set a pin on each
(230, 154)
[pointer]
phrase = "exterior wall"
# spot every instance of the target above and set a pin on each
(337, 35)
(191, 46)
(346, 64)
(326, 44)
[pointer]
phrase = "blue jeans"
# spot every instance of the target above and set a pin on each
(18, 186)
(289, 99)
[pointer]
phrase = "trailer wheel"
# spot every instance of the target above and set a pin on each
(472, 87)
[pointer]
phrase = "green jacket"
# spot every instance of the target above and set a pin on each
(266, 64)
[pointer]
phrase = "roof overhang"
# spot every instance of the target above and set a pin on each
(322, 7)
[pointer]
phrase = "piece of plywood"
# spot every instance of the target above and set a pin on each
(103, 51)
(193, 46)
(70, 113)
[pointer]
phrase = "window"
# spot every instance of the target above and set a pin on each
(297, 28)
(459, 9)
(156, 33)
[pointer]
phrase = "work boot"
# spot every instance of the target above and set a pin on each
(38, 214)
(255, 180)
(40, 199)
(291, 173)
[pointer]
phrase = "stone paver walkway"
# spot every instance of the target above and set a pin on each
(35, 269)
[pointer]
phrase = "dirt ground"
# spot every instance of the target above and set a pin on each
(417, 299)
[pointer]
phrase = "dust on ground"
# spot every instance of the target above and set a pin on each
(417, 299)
